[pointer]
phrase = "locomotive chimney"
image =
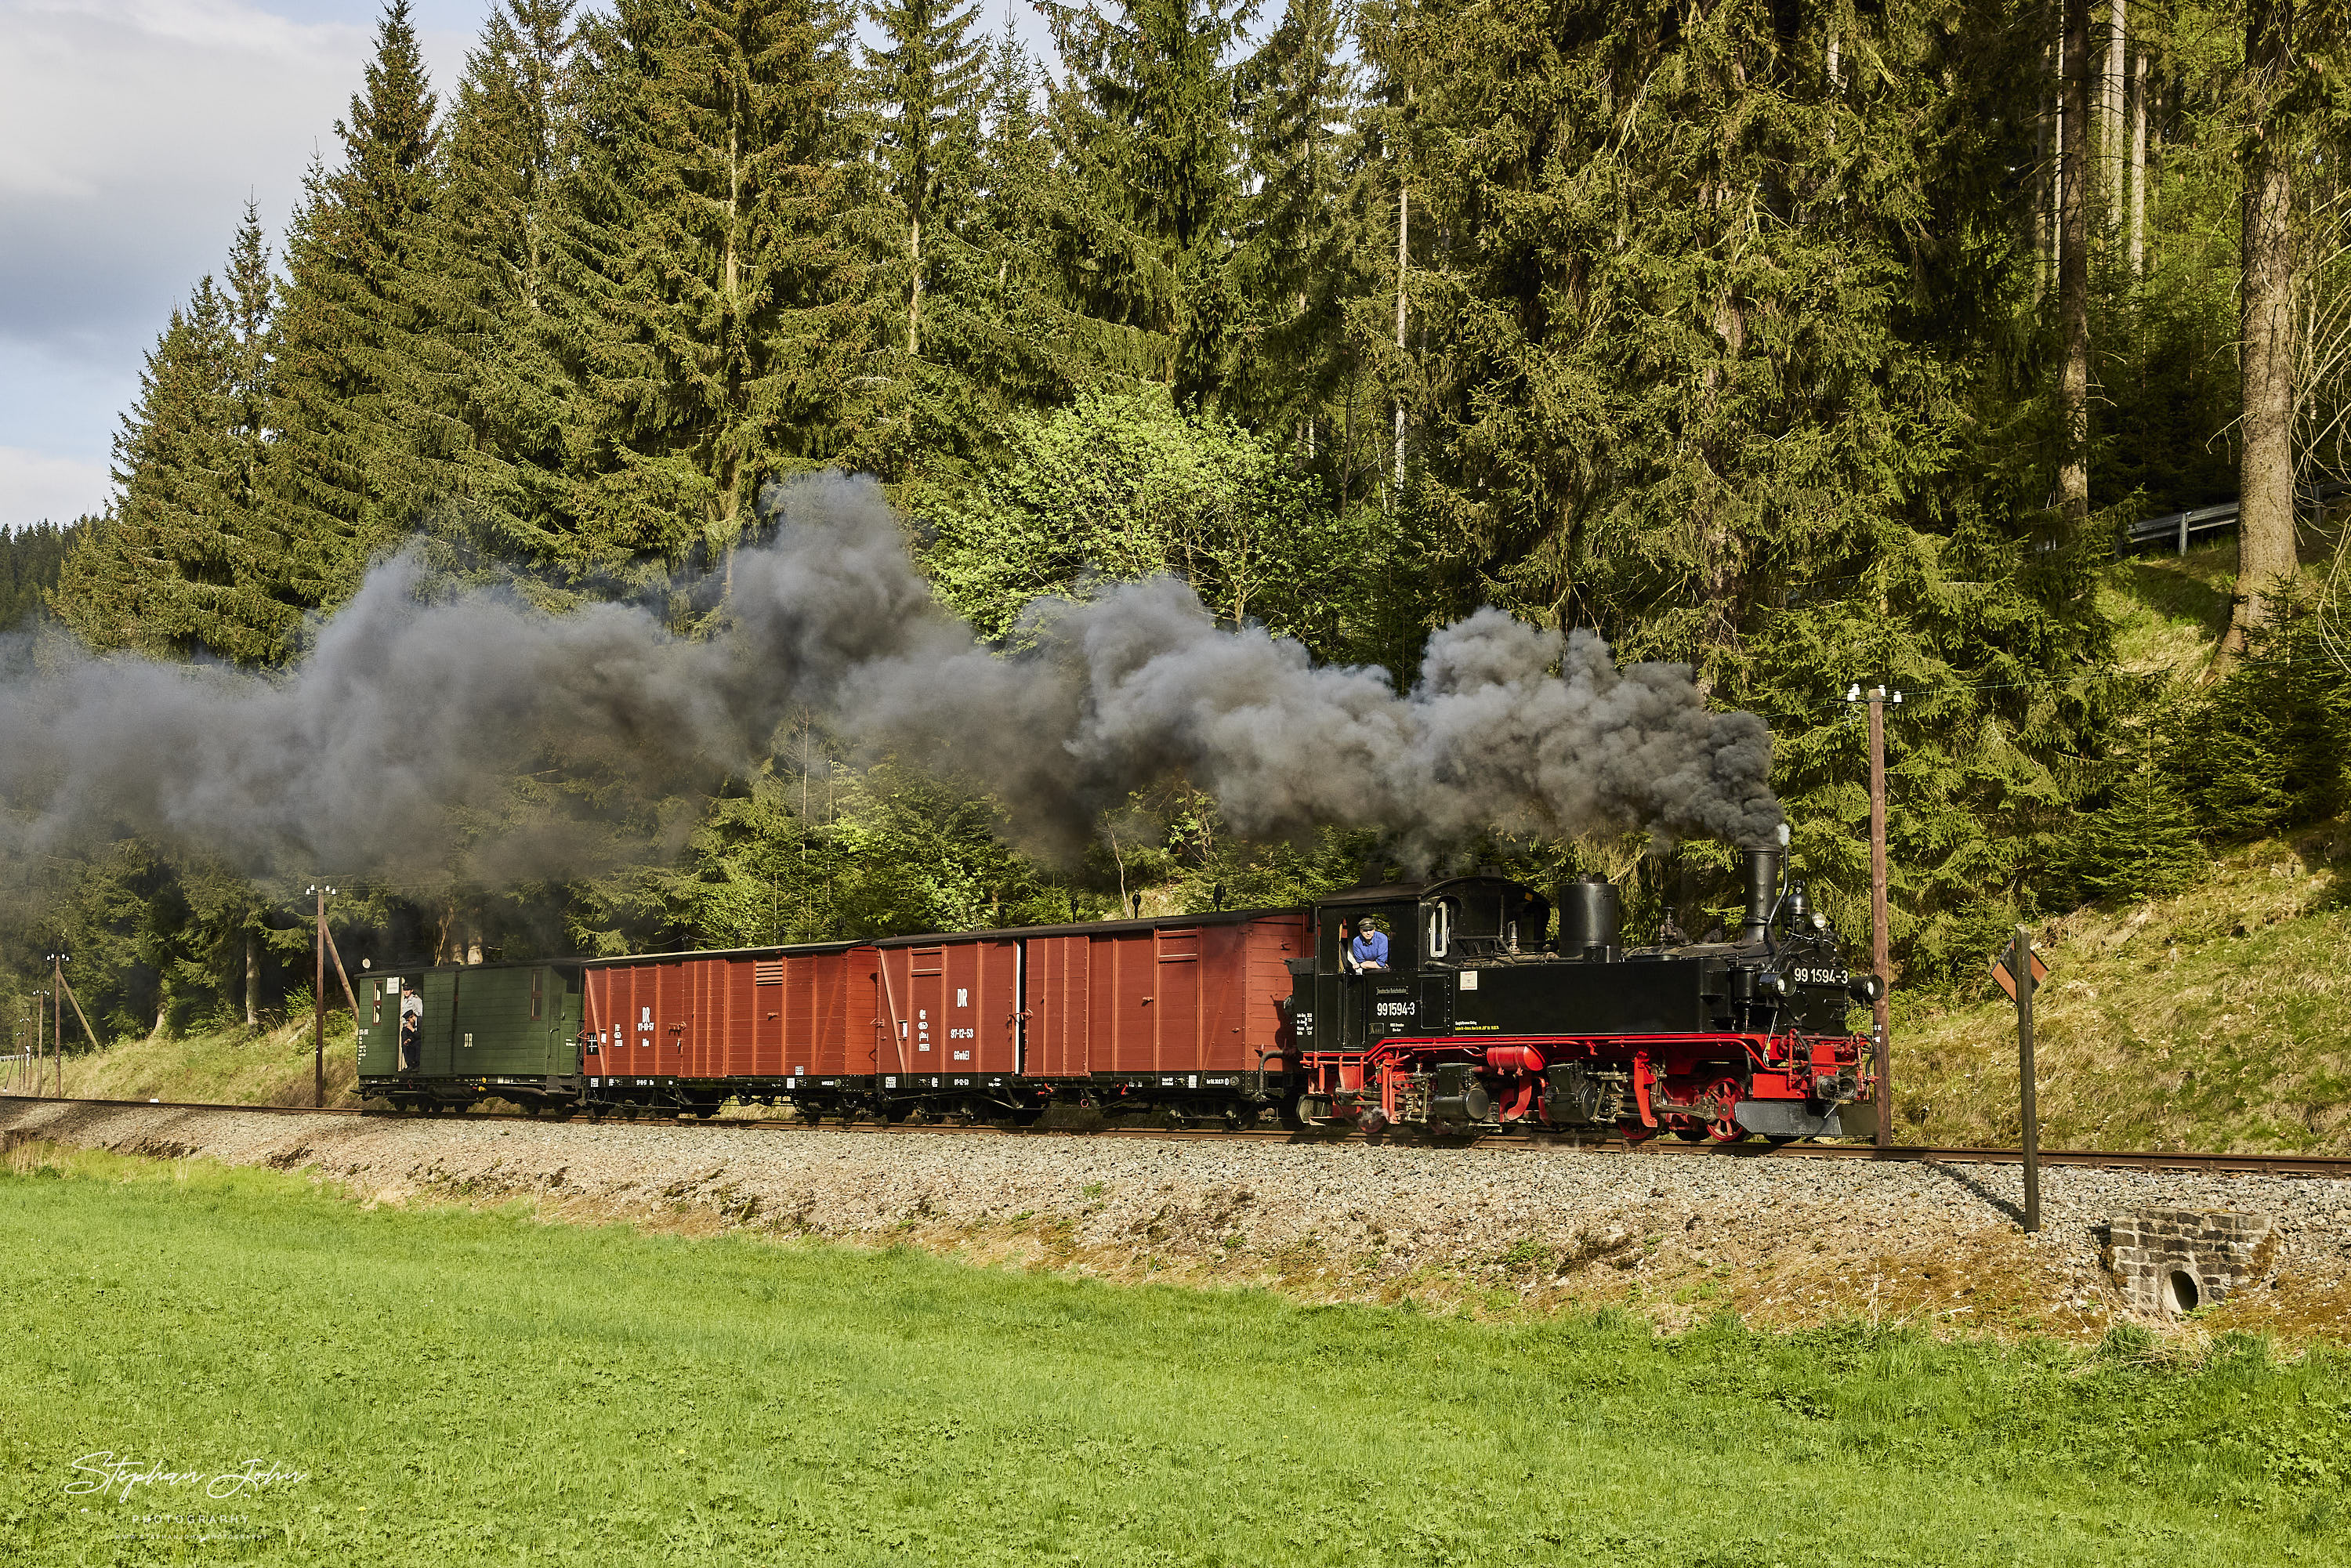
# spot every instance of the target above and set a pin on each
(1762, 886)
(1590, 918)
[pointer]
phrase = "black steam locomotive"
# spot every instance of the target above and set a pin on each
(1477, 1020)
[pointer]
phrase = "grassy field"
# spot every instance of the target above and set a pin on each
(445, 1385)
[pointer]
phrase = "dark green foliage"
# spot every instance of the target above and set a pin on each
(488, 429)
(724, 322)
(1146, 126)
(155, 941)
(29, 561)
(1291, 261)
(927, 89)
(2270, 747)
(191, 557)
(346, 481)
(1031, 347)
(2141, 842)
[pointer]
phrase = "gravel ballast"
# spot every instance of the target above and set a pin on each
(1678, 1236)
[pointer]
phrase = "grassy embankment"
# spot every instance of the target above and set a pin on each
(269, 1066)
(456, 1385)
(2220, 1019)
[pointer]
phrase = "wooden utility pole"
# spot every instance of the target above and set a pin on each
(40, 1075)
(318, 1000)
(57, 1015)
(1880, 949)
(2021, 966)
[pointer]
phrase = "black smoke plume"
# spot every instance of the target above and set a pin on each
(477, 731)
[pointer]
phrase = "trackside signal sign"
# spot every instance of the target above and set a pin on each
(2007, 979)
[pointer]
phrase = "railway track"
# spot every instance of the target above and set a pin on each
(2315, 1166)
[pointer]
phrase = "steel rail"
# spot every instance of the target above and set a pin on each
(2318, 1166)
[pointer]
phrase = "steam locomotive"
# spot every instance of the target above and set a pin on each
(1480, 1019)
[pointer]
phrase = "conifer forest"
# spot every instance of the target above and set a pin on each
(1811, 346)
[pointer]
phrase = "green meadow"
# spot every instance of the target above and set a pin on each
(446, 1386)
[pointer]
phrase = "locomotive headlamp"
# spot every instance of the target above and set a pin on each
(1820, 921)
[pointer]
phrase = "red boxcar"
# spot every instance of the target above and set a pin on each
(1201, 994)
(720, 1018)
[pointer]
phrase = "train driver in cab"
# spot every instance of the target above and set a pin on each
(1368, 948)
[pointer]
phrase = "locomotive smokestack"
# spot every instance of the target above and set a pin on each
(1762, 886)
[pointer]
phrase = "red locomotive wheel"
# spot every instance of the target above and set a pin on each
(1637, 1135)
(1725, 1128)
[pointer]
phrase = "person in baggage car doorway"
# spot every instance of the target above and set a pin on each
(412, 1027)
(1368, 947)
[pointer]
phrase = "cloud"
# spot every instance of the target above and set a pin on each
(35, 487)
(132, 132)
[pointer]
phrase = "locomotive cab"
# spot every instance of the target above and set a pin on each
(1432, 931)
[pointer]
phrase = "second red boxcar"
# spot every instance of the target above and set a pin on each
(700, 1027)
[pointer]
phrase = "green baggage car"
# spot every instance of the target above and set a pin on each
(445, 1037)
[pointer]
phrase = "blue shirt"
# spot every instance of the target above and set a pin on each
(1370, 948)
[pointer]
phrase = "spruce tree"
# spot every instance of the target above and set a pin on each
(1293, 266)
(1147, 122)
(2142, 842)
(926, 84)
(1690, 364)
(30, 559)
(2269, 746)
(926, 87)
(189, 560)
(345, 475)
(727, 323)
(488, 428)
(1031, 347)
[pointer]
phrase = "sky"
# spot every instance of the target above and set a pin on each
(132, 132)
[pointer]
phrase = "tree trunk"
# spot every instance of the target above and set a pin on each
(1404, 221)
(2139, 168)
(2110, 115)
(2073, 267)
(2266, 527)
(251, 981)
(2044, 196)
(915, 293)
